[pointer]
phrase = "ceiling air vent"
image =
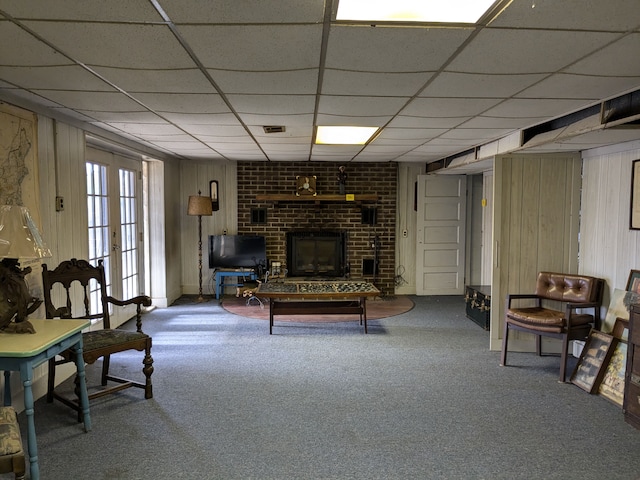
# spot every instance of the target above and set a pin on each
(273, 129)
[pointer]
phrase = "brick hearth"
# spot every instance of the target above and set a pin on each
(273, 178)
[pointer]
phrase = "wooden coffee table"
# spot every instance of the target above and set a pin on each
(318, 298)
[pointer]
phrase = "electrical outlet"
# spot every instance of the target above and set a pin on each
(405, 234)
(59, 204)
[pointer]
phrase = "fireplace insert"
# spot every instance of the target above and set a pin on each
(316, 253)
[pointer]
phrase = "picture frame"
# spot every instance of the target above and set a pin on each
(621, 329)
(612, 384)
(633, 283)
(634, 221)
(306, 185)
(593, 360)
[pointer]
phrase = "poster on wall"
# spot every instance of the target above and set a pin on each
(18, 153)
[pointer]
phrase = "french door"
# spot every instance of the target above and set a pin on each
(114, 207)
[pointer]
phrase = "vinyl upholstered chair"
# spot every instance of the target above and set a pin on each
(102, 343)
(538, 313)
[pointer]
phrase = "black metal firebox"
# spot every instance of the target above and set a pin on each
(316, 253)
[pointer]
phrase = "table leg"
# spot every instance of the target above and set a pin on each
(82, 385)
(363, 303)
(26, 374)
(7, 388)
(271, 302)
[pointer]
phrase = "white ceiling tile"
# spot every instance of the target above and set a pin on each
(277, 119)
(92, 101)
(290, 82)
(448, 107)
(233, 11)
(183, 103)
(345, 82)
(617, 59)
(210, 119)
(254, 47)
(116, 45)
(272, 104)
(406, 121)
(409, 134)
(584, 87)
(111, 11)
(470, 85)
(613, 15)
(372, 49)
(526, 51)
(65, 77)
(521, 108)
(218, 131)
(147, 129)
(360, 106)
(31, 51)
(141, 118)
(186, 80)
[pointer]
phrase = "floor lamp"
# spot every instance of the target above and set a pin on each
(199, 205)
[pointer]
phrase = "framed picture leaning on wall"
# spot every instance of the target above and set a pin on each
(633, 283)
(635, 195)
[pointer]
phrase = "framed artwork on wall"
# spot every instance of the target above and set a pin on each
(635, 195)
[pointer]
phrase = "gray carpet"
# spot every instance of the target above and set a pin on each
(419, 397)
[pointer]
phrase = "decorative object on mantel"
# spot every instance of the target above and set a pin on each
(633, 283)
(342, 179)
(306, 185)
(19, 240)
(199, 205)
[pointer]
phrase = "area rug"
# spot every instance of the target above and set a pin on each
(377, 308)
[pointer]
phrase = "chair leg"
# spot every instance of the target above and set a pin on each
(147, 369)
(563, 358)
(106, 360)
(51, 380)
(539, 345)
(505, 340)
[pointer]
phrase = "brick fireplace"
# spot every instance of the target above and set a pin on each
(368, 225)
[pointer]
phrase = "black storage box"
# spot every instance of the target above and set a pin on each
(478, 300)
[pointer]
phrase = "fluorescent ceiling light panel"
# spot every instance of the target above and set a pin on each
(344, 135)
(428, 11)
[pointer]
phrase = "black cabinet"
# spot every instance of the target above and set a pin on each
(478, 300)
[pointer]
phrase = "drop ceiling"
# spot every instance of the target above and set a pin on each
(200, 79)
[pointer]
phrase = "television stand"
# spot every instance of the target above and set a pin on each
(221, 273)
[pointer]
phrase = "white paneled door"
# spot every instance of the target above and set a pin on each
(440, 242)
(114, 205)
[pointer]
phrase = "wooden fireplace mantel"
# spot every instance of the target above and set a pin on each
(348, 198)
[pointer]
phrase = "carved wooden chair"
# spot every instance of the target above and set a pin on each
(102, 343)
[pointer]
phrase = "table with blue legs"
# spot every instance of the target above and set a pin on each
(24, 352)
(220, 275)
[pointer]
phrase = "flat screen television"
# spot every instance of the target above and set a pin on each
(237, 251)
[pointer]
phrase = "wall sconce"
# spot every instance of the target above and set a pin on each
(213, 192)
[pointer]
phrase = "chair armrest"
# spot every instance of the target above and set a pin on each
(139, 300)
(522, 296)
(571, 306)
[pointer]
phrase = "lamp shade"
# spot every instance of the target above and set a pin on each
(19, 236)
(199, 205)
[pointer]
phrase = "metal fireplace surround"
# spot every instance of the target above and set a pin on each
(316, 253)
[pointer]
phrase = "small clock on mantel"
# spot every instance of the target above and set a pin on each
(306, 185)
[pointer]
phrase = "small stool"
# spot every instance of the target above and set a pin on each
(11, 452)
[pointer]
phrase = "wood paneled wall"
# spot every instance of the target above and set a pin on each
(608, 247)
(536, 220)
